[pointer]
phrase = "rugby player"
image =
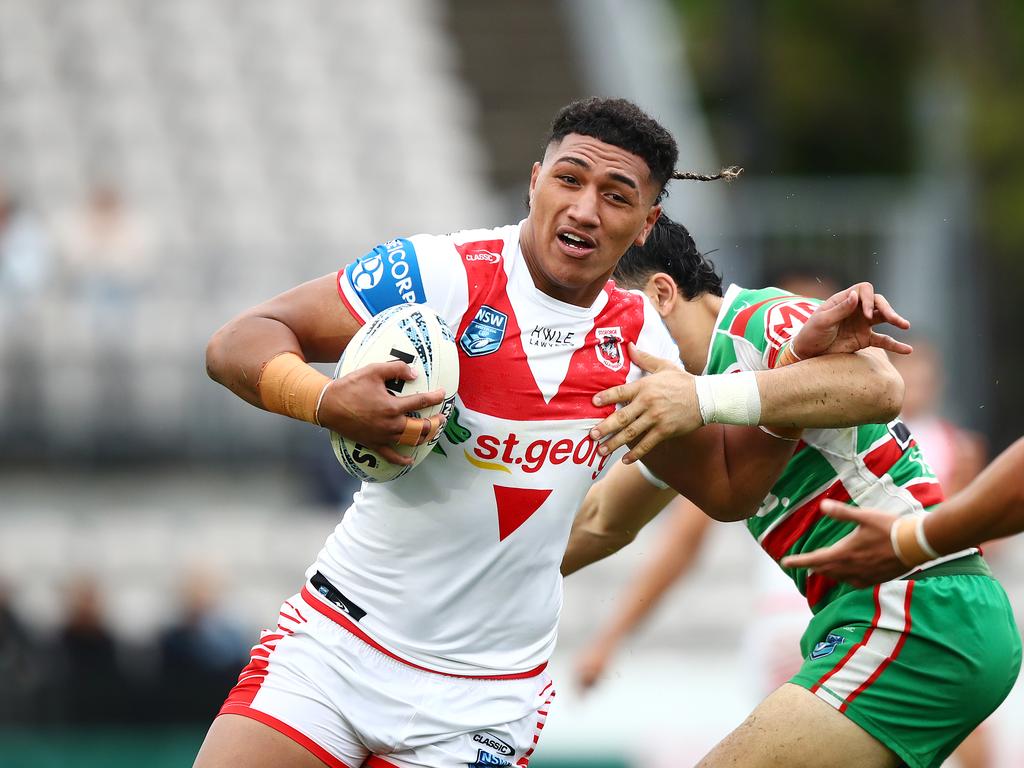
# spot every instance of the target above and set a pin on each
(894, 675)
(423, 631)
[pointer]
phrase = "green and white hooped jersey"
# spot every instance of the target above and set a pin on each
(876, 465)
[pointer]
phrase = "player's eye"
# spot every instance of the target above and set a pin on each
(568, 178)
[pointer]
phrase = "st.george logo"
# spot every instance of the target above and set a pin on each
(609, 348)
(484, 333)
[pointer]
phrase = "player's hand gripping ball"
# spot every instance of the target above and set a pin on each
(417, 335)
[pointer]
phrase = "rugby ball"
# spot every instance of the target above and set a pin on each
(419, 336)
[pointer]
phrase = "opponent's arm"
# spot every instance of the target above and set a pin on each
(990, 507)
(834, 389)
(261, 356)
(680, 539)
(613, 512)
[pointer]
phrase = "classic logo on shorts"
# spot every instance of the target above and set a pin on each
(827, 646)
(493, 742)
(484, 333)
(609, 347)
(484, 759)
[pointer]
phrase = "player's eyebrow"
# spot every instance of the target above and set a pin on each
(620, 177)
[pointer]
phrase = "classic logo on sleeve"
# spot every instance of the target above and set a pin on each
(609, 347)
(387, 276)
(484, 333)
(827, 646)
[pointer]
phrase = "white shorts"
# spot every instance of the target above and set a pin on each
(352, 703)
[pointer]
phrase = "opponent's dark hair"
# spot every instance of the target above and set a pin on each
(623, 124)
(670, 249)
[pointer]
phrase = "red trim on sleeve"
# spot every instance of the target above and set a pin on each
(378, 762)
(283, 728)
(344, 299)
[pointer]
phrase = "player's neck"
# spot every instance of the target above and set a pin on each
(696, 324)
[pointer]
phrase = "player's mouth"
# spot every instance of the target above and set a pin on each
(575, 243)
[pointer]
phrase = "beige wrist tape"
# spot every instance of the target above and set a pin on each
(909, 542)
(289, 386)
(787, 356)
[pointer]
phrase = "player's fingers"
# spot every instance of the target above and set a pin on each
(388, 453)
(618, 420)
(890, 315)
(419, 401)
(818, 559)
(866, 292)
(889, 344)
(646, 361)
(620, 394)
(649, 441)
(419, 430)
(839, 310)
(839, 511)
(628, 434)
(392, 370)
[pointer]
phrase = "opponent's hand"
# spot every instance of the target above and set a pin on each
(660, 406)
(862, 558)
(361, 408)
(845, 323)
(591, 665)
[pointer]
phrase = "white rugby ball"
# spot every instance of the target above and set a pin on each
(418, 335)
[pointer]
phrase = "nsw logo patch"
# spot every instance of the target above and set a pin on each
(827, 646)
(484, 333)
(484, 759)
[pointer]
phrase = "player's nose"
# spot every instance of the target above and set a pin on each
(584, 210)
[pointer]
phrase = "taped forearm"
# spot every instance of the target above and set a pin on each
(289, 386)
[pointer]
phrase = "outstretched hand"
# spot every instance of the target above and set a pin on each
(863, 557)
(845, 323)
(360, 407)
(659, 406)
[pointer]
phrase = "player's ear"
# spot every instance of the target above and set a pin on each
(652, 217)
(662, 291)
(534, 175)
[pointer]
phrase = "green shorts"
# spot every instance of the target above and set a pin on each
(917, 663)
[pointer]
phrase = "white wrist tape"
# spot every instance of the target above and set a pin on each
(729, 398)
(922, 540)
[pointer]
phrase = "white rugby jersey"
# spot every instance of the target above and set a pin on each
(457, 563)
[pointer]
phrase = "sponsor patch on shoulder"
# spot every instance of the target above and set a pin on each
(488, 251)
(387, 276)
(484, 333)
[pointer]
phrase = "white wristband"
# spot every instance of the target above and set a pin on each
(922, 540)
(729, 398)
(894, 539)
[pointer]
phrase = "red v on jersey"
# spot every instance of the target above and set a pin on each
(516, 506)
(502, 382)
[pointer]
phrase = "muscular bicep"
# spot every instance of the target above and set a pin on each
(315, 314)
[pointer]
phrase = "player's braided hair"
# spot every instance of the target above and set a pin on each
(623, 124)
(670, 249)
(731, 173)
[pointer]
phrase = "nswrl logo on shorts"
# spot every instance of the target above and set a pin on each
(485, 759)
(827, 646)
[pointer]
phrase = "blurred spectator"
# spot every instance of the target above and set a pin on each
(25, 251)
(803, 283)
(20, 668)
(201, 653)
(106, 248)
(89, 682)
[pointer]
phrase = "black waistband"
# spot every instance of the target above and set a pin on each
(333, 595)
